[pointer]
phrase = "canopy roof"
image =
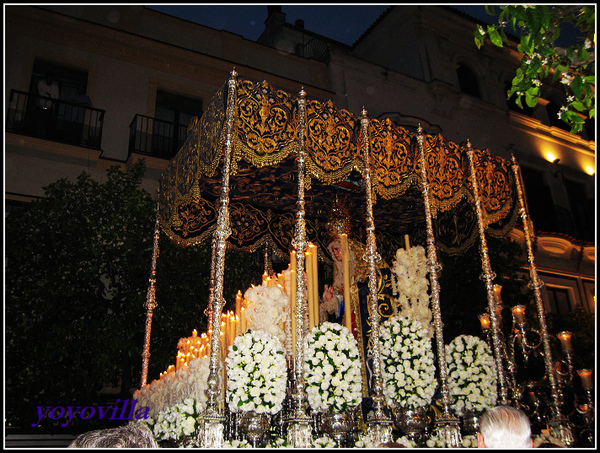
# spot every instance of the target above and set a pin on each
(263, 182)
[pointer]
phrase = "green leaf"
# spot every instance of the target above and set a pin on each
(494, 36)
(578, 106)
(583, 55)
(577, 86)
(530, 99)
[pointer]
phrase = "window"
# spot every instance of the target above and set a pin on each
(560, 302)
(173, 114)
(69, 79)
(582, 210)
(467, 81)
(539, 200)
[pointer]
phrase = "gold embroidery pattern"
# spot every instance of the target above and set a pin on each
(266, 123)
(392, 159)
(330, 141)
(494, 180)
(263, 171)
(445, 170)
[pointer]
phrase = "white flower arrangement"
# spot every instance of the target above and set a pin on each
(411, 284)
(177, 422)
(227, 444)
(408, 367)
(435, 441)
(546, 437)
(278, 442)
(268, 309)
(469, 441)
(176, 386)
(471, 374)
(366, 441)
(332, 369)
(323, 442)
(256, 373)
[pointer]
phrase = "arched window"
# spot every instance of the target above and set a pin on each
(467, 81)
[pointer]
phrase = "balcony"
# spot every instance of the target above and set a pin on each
(153, 137)
(54, 119)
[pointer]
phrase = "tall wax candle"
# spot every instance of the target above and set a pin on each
(293, 283)
(315, 288)
(310, 276)
(346, 272)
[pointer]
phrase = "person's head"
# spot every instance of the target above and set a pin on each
(504, 427)
(335, 247)
(132, 435)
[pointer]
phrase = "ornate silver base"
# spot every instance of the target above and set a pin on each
(255, 426)
(337, 426)
(411, 422)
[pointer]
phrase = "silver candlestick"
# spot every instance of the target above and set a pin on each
(447, 425)
(379, 422)
(214, 419)
(559, 425)
(299, 423)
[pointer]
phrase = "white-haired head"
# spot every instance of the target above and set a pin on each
(504, 427)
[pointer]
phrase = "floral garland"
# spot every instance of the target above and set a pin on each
(174, 387)
(256, 373)
(177, 422)
(408, 369)
(411, 284)
(268, 309)
(332, 368)
(471, 374)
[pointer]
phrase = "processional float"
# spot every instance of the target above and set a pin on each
(268, 147)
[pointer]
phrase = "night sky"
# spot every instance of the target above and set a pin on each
(342, 22)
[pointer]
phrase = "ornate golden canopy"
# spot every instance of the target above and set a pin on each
(263, 184)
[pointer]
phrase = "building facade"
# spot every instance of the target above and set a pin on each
(148, 74)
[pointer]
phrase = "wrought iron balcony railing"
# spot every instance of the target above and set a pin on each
(54, 119)
(154, 137)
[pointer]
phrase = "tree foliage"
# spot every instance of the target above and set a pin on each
(539, 28)
(77, 270)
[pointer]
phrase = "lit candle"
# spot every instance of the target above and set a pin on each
(222, 340)
(519, 314)
(244, 326)
(586, 378)
(406, 242)
(484, 319)
(309, 275)
(565, 340)
(194, 333)
(231, 327)
(497, 294)
(346, 274)
(238, 308)
(265, 277)
(293, 283)
(315, 288)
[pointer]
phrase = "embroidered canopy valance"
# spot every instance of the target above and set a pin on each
(263, 183)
